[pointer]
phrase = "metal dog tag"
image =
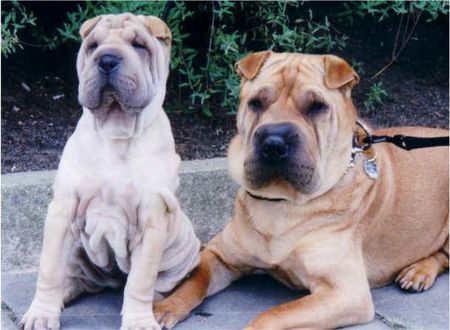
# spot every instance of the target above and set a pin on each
(371, 168)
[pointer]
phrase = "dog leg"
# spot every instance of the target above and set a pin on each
(137, 310)
(421, 275)
(72, 289)
(46, 307)
(326, 307)
(210, 276)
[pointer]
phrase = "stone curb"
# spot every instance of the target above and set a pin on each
(46, 177)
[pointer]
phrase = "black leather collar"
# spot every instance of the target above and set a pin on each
(265, 198)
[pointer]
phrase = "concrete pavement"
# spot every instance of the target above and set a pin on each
(234, 307)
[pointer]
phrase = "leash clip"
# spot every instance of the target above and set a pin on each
(367, 141)
(362, 145)
(359, 145)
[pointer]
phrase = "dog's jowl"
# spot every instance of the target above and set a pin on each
(114, 218)
(312, 213)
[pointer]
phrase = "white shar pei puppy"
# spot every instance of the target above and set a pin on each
(114, 216)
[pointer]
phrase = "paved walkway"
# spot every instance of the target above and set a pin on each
(234, 307)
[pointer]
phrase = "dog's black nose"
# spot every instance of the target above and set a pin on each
(108, 63)
(274, 141)
(274, 148)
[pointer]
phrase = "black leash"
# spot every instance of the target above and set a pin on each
(403, 141)
(408, 142)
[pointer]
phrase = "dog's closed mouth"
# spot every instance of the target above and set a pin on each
(115, 122)
(299, 176)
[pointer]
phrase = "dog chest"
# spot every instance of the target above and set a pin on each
(115, 184)
(291, 246)
(107, 222)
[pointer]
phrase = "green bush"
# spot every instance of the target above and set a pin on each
(209, 37)
(375, 96)
(384, 9)
(14, 20)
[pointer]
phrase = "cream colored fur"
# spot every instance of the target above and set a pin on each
(114, 216)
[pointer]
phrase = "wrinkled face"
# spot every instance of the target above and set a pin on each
(122, 68)
(295, 122)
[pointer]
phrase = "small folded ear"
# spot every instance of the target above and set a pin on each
(339, 73)
(88, 26)
(249, 66)
(158, 28)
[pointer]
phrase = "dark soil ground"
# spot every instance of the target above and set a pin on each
(37, 121)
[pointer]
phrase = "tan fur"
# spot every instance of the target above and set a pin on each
(350, 233)
(249, 67)
(338, 73)
(88, 26)
(158, 28)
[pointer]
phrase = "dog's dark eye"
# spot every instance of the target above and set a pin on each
(138, 45)
(255, 105)
(93, 46)
(317, 107)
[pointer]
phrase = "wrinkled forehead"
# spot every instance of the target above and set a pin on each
(124, 25)
(120, 21)
(287, 70)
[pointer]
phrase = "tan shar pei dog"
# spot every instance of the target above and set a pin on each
(308, 218)
(114, 216)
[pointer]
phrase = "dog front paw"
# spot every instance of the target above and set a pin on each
(169, 312)
(39, 319)
(139, 322)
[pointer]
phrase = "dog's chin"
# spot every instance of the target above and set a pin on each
(114, 122)
(115, 117)
(98, 93)
(299, 177)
